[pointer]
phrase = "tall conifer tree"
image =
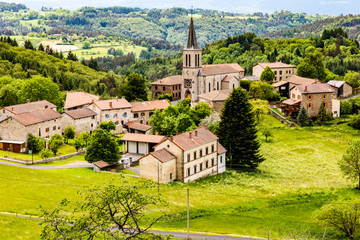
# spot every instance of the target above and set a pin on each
(237, 131)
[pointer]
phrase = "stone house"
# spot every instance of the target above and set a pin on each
(141, 143)
(311, 97)
(133, 127)
(116, 110)
(342, 89)
(281, 70)
(216, 99)
(284, 86)
(42, 123)
(142, 111)
(83, 119)
(189, 156)
(76, 100)
(170, 85)
(9, 111)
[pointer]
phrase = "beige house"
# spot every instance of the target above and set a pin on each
(196, 156)
(9, 111)
(115, 110)
(281, 70)
(170, 85)
(216, 99)
(83, 119)
(311, 97)
(142, 111)
(76, 100)
(42, 123)
(342, 89)
(284, 86)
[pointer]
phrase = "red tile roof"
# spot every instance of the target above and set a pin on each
(75, 99)
(315, 88)
(138, 126)
(113, 104)
(80, 113)
(30, 107)
(214, 69)
(203, 136)
(135, 137)
(296, 80)
(171, 80)
(221, 149)
(291, 101)
(43, 115)
(149, 105)
(101, 164)
(220, 95)
(276, 65)
(227, 78)
(163, 155)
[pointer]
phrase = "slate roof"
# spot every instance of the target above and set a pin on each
(276, 65)
(221, 149)
(149, 105)
(163, 155)
(30, 107)
(80, 113)
(185, 142)
(113, 104)
(315, 88)
(219, 95)
(296, 80)
(335, 83)
(138, 126)
(135, 137)
(171, 80)
(75, 99)
(215, 69)
(30, 118)
(192, 43)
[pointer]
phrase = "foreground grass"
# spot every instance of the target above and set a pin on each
(19, 228)
(300, 174)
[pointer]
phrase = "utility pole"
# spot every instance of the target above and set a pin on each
(188, 215)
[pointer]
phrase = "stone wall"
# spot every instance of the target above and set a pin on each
(281, 118)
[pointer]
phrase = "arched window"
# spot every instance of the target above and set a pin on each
(209, 87)
(186, 60)
(233, 85)
(189, 60)
(217, 85)
(196, 60)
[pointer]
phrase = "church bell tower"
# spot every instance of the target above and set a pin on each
(191, 66)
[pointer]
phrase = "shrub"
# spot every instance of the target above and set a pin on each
(345, 107)
(355, 122)
(45, 153)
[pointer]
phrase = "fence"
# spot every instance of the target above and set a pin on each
(27, 162)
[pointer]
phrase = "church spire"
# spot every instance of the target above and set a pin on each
(192, 43)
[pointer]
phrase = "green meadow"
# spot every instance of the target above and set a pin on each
(278, 200)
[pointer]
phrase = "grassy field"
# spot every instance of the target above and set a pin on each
(300, 174)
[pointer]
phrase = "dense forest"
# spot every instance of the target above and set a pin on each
(170, 25)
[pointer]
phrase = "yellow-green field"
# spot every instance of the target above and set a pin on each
(300, 174)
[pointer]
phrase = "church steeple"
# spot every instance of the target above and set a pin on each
(192, 43)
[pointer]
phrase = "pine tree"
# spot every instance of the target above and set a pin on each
(237, 131)
(302, 117)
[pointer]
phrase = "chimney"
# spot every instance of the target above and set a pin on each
(190, 135)
(110, 104)
(171, 138)
(28, 100)
(196, 133)
(177, 132)
(305, 89)
(92, 101)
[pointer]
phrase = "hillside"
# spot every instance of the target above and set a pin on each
(168, 24)
(350, 24)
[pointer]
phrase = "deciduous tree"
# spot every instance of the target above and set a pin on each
(350, 162)
(267, 75)
(69, 133)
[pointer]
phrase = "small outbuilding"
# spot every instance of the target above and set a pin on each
(101, 166)
(342, 89)
(141, 143)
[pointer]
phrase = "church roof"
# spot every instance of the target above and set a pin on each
(215, 69)
(192, 43)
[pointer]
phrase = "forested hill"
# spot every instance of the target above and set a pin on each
(167, 24)
(27, 73)
(350, 24)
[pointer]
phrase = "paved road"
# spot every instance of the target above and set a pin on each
(354, 96)
(204, 236)
(66, 166)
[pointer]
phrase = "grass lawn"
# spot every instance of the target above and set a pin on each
(63, 150)
(19, 228)
(300, 174)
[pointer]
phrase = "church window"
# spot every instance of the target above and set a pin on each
(189, 60)
(233, 85)
(217, 85)
(187, 83)
(186, 60)
(209, 87)
(196, 64)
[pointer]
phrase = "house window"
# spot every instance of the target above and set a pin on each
(107, 115)
(93, 117)
(275, 79)
(275, 72)
(115, 115)
(54, 128)
(151, 113)
(136, 115)
(142, 114)
(280, 72)
(200, 166)
(4, 111)
(206, 164)
(92, 125)
(141, 121)
(280, 78)
(293, 95)
(122, 123)
(155, 87)
(170, 176)
(194, 169)
(47, 129)
(124, 114)
(309, 97)
(188, 172)
(212, 148)
(283, 88)
(221, 159)
(163, 88)
(309, 105)
(212, 162)
(206, 150)
(116, 123)
(188, 157)
(201, 152)
(324, 97)
(194, 155)
(168, 146)
(298, 96)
